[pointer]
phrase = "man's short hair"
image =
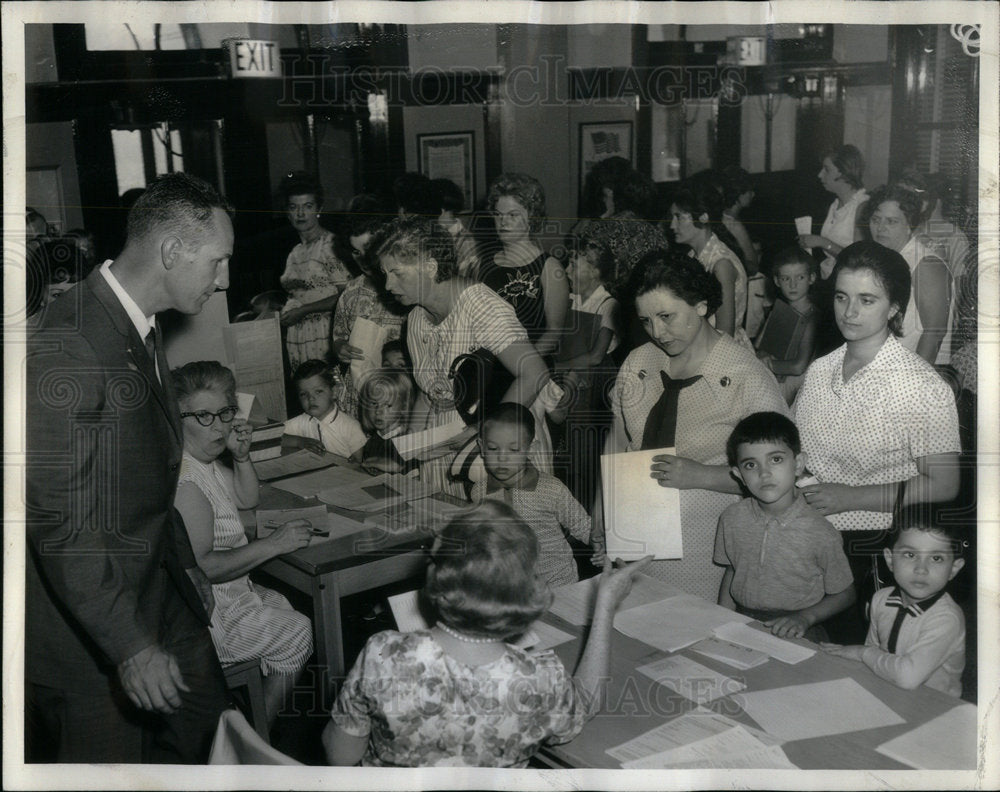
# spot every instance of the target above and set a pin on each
(177, 202)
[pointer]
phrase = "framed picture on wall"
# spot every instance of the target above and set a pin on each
(604, 139)
(450, 155)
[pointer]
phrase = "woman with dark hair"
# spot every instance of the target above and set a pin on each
(520, 271)
(249, 622)
(737, 195)
(686, 389)
(451, 202)
(896, 215)
(313, 275)
(364, 296)
(842, 174)
(460, 693)
(878, 424)
(696, 219)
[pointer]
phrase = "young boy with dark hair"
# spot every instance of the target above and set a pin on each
(539, 499)
(785, 563)
(917, 632)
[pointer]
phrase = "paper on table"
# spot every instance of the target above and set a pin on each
(369, 338)
(736, 744)
(318, 516)
(778, 648)
(377, 493)
(817, 709)
(640, 516)
(301, 461)
(768, 757)
(727, 652)
(803, 225)
(688, 728)
(676, 622)
(308, 484)
(692, 680)
(948, 742)
(575, 602)
(409, 618)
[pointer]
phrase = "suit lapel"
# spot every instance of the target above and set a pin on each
(137, 354)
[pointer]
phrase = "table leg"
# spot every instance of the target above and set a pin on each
(328, 629)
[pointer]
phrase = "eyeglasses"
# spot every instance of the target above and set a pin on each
(206, 418)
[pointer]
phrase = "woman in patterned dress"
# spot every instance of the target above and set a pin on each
(249, 622)
(520, 271)
(313, 275)
(686, 389)
(878, 424)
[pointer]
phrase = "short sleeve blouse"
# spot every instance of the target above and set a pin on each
(872, 428)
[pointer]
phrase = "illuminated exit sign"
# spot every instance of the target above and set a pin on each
(250, 58)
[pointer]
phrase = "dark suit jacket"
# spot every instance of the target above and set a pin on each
(104, 448)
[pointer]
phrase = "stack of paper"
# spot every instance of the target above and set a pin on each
(778, 648)
(727, 652)
(734, 748)
(375, 494)
(799, 712)
(946, 743)
(282, 467)
(675, 622)
(692, 680)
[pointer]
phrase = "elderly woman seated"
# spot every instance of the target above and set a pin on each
(248, 621)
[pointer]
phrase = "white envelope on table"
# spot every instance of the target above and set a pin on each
(640, 516)
(369, 338)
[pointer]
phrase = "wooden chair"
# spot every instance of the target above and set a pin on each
(247, 675)
(235, 743)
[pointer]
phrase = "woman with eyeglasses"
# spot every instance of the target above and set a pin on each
(248, 621)
(313, 276)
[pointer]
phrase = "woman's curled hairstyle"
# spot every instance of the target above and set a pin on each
(413, 239)
(481, 579)
(682, 275)
(203, 375)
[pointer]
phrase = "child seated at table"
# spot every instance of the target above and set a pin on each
(541, 500)
(917, 632)
(384, 404)
(794, 273)
(458, 694)
(785, 563)
(322, 425)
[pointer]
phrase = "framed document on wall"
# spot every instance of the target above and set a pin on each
(450, 155)
(604, 139)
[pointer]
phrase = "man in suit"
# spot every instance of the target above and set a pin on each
(119, 664)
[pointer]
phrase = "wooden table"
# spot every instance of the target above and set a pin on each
(635, 704)
(331, 570)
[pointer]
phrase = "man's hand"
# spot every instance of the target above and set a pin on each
(152, 680)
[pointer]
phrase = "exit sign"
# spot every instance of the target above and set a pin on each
(251, 58)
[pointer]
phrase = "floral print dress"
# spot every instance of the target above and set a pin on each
(422, 708)
(312, 272)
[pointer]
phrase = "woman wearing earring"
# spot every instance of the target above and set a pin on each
(313, 275)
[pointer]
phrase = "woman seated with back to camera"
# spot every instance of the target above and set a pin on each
(249, 622)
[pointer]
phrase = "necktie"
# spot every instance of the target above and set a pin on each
(661, 423)
(151, 349)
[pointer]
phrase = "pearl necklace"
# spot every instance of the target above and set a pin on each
(462, 637)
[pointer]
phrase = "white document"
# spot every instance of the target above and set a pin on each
(375, 494)
(771, 645)
(692, 680)
(301, 461)
(415, 444)
(768, 757)
(575, 602)
(369, 338)
(245, 403)
(803, 225)
(688, 728)
(406, 611)
(675, 622)
(640, 516)
(735, 744)
(727, 652)
(817, 709)
(946, 743)
(268, 520)
(309, 484)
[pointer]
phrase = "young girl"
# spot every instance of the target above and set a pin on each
(385, 400)
(322, 426)
(458, 694)
(794, 275)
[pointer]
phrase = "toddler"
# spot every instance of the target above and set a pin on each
(459, 694)
(917, 632)
(541, 500)
(385, 400)
(785, 563)
(322, 425)
(794, 274)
